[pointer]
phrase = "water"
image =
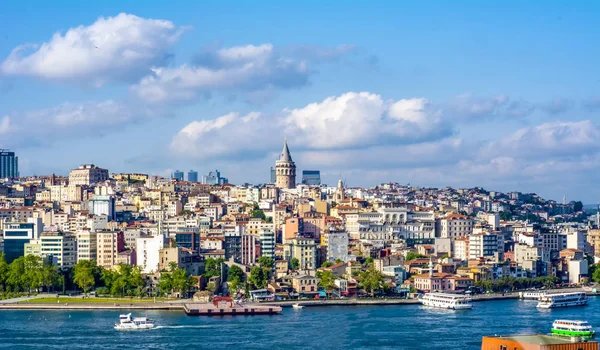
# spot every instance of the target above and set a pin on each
(358, 327)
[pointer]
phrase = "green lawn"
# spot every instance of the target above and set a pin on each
(91, 300)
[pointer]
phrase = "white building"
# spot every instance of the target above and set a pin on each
(524, 252)
(337, 245)
(103, 205)
(148, 249)
(577, 268)
(486, 245)
(454, 226)
(266, 236)
(461, 248)
(577, 240)
(87, 242)
(60, 246)
(87, 174)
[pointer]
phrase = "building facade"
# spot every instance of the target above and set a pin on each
(9, 164)
(87, 174)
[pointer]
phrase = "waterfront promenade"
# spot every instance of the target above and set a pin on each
(49, 302)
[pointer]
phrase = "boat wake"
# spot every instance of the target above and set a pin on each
(178, 327)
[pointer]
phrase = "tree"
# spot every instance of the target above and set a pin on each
(505, 216)
(258, 214)
(596, 275)
(368, 261)
(295, 264)
(412, 256)
(327, 264)
(578, 206)
(257, 277)
(337, 261)
(186, 212)
(235, 273)
(371, 280)
(326, 280)
(84, 276)
(213, 267)
(266, 262)
(3, 272)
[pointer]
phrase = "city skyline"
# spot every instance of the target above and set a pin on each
(452, 95)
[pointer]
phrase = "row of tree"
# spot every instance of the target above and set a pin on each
(512, 283)
(28, 274)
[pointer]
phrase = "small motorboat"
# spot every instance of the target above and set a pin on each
(127, 323)
(297, 306)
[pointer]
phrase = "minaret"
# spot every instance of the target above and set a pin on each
(430, 267)
(285, 169)
(339, 192)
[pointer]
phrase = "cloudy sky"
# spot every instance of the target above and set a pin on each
(503, 95)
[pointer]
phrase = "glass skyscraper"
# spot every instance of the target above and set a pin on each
(9, 164)
(192, 176)
(177, 175)
(311, 177)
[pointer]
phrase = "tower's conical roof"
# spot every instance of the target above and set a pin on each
(285, 154)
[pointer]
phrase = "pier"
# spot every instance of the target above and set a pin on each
(221, 306)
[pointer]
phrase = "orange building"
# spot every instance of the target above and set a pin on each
(535, 342)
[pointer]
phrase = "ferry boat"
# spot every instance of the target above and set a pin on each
(447, 301)
(550, 301)
(126, 322)
(531, 295)
(571, 328)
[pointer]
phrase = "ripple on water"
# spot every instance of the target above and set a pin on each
(365, 327)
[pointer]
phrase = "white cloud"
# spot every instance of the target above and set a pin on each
(363, 119)
(120, 48)
(548, 140)
(475, 108)
(5, 125)
(230, 135)
(352, 120)
(45, 126)
(557, 105)
(248, 69)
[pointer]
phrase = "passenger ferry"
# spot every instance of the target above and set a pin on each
(127, 323)
(531, 295)
(550, 301)
(572, 328)
(447, 301)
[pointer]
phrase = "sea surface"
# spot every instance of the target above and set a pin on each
(327, 327)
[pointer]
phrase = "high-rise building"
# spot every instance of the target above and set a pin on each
(59, 247)
(16, 235)
(103, 205)
(273, 175)
(177, 175)
(192, 176)
(214, 178)
(87, 174)
(108, 246)
(9, 164)
(285, 169)
(311, 177)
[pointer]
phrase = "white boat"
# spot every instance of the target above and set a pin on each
(447, 301)
(550, 301)
(531, 295)
(297, 306)
(571, 328)
(126, 322)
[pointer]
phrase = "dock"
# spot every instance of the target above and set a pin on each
(222, 306)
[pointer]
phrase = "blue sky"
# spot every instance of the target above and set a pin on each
(498, 94)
